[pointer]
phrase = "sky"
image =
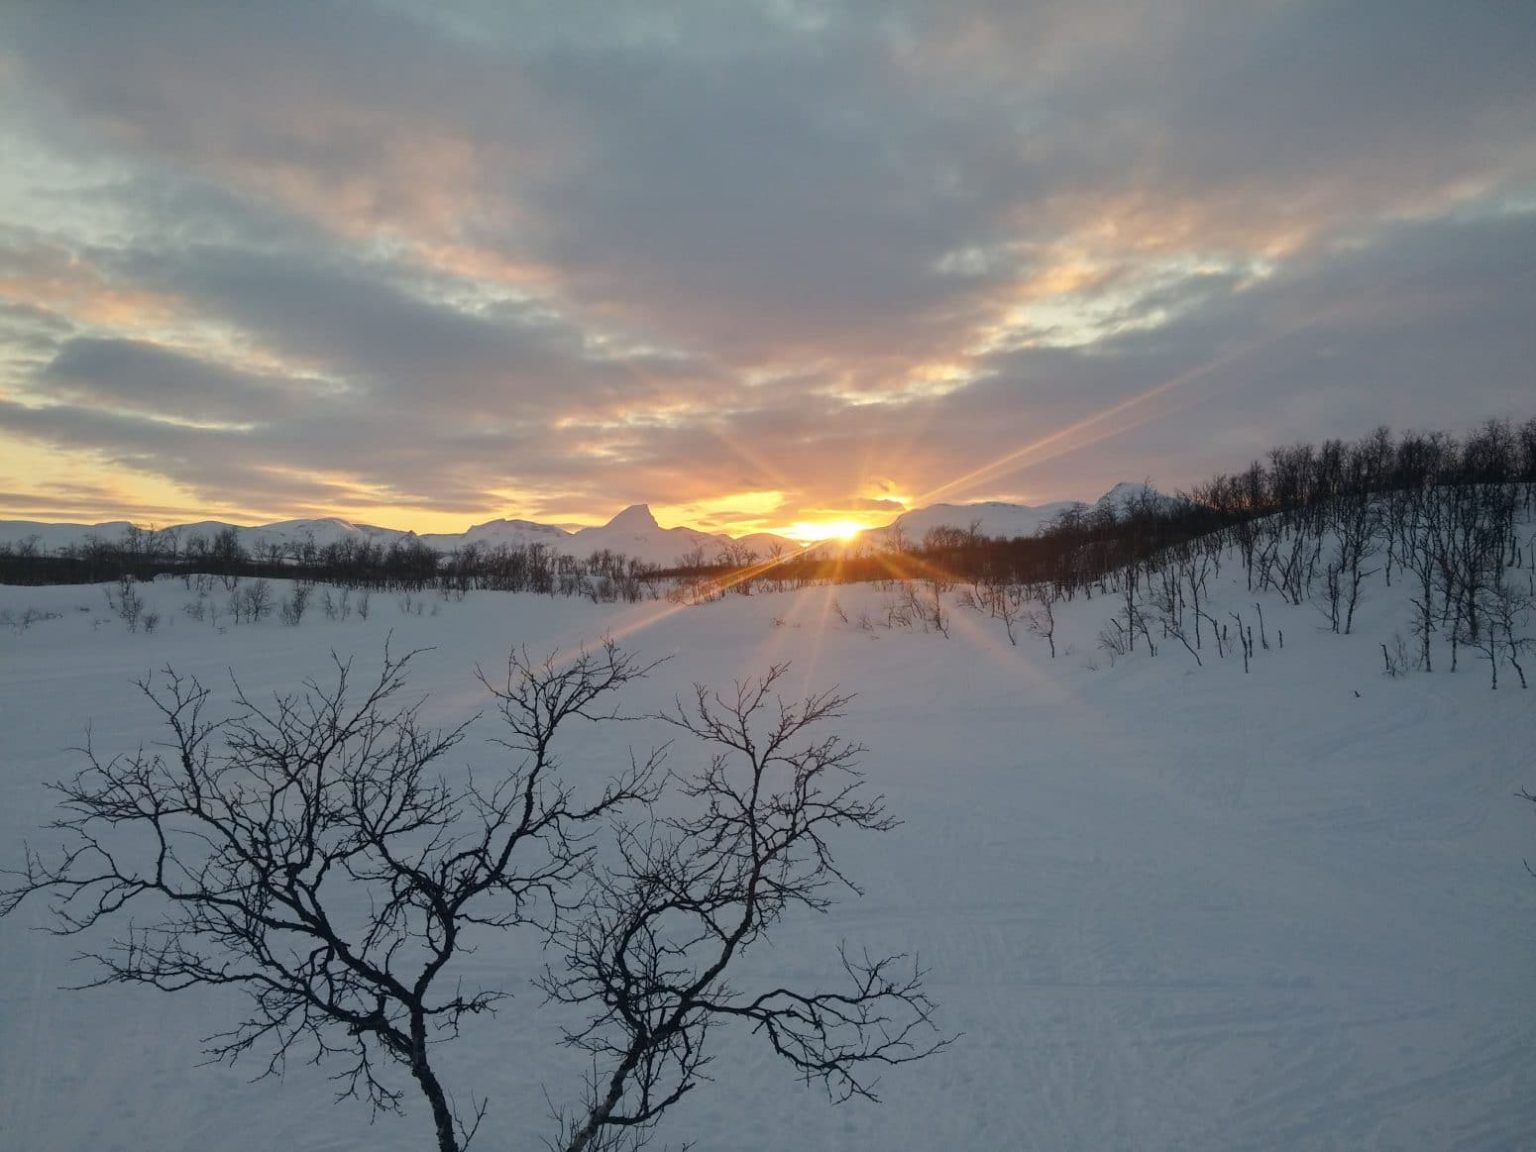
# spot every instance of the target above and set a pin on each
(755, 264)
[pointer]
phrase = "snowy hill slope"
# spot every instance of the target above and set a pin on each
(495, 533)
(52, 537)
(1167, 905)
(283, 534)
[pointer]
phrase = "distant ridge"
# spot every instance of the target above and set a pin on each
(1006, 521)
(633, 532)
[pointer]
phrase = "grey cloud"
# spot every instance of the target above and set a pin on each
(32, 320)
(82, 502)
(346, 320)
(1322, 87)
(767, 206)
(1420, 328)
(781, 196)
(1281, 106)
(360, 323)
(135, 376)
(206, 457)
(1423, 328)
(718, 188)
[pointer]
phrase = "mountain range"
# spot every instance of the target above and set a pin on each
(634, 532)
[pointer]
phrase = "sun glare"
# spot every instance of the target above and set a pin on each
(813, 532)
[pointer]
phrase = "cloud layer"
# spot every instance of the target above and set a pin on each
(755, 263)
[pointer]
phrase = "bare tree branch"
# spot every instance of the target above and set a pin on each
(689, 895)
(309, 850)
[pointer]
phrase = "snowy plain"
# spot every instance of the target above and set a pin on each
(1162, 906)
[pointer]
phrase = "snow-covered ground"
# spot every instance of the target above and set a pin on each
(1164, 906)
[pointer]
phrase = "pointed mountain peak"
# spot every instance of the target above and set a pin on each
(1127, 490)
(635, 518)
(1127, 496)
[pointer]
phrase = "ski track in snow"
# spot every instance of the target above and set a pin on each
(1167, 907)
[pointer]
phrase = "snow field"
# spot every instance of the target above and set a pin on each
(1168, 907)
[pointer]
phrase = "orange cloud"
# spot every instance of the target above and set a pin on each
(81, 294)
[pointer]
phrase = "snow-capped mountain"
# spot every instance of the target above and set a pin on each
(49, 538)
(285, 534)
(634, 533)
(991, 518)
(1002, 520)
(494, 533)
(1127, 495)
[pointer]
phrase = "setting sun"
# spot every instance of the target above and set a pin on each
(814, 532)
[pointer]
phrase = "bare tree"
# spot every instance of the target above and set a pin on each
(311, 851)
(736, 554)
(297, 603)
(1505, 611)
(260, 836)
(126, 602)
(258, 600)
(738, 557)
(1041, 621)
(1357, 526)
(226, 554)
(1007, 604)
(689, 895)
(1167, 602)
(1000, 600)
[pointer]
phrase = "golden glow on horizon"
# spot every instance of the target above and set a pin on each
(813, 532)
(76, 486)
(736, 513)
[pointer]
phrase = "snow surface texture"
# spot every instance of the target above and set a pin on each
(1168, 907)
